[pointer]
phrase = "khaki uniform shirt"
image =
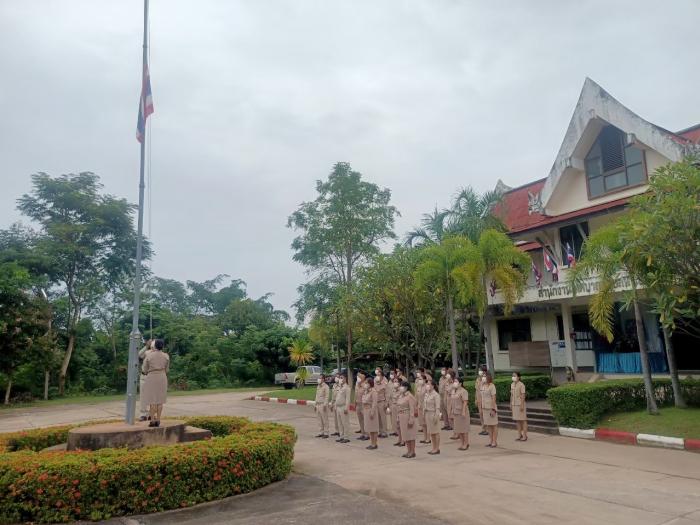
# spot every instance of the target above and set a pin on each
(517, 393)
(487, 395)
(342, 398)
(380, 387)
(322, 393)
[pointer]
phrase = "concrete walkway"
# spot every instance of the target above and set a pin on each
(549, 479)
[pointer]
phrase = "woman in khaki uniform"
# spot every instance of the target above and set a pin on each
(155, 387)
(460, 413)
(321, 406)
(395, 394)
(342, 410)
(442, 390)
(419, 384)
(380, 386)
(407, 419)
(390, 395)
(334, 392)
(489, 410)
(478, 387)
(449, 376)
(369, 409)
(517, 406)
(431, 410)
(359, 390)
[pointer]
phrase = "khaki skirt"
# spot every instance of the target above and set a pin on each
(460, 423)
(371, 419)
(155, 388)
(519, 415)
(407, 433)
(432, 422)
(490, 418)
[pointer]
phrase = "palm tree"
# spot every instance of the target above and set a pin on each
(607, 256)
(433, 229)
(493, 259)
(435, 272)
(472, 214)
(300, 354)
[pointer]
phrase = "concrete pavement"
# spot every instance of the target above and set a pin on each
(549, 479)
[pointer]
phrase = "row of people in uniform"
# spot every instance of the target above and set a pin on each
(387, 406)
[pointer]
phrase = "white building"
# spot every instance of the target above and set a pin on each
(606, 157)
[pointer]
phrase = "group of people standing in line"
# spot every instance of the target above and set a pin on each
(387, 406)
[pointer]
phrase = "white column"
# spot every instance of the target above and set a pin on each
(568, 328)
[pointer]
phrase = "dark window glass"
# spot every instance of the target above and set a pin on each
(513, 330)
(560, 327)
(610, 165)
(572, 235)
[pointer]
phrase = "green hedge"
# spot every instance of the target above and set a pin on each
(582, 405)
(536, 387)
(70, 486)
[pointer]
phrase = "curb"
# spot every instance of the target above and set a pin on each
(616, 436)
(577, 433)
(285, 401)
(650, 440)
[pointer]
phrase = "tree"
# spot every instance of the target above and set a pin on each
(341, 229)
(472, 214)
(607, 255)
(435, 272)
(89, 237)
(493, 259)
(663, 228)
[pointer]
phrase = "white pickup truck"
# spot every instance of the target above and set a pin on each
(292, 379)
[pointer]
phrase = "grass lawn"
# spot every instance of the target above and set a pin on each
(88, 400)
(672, 422)
(308, 393)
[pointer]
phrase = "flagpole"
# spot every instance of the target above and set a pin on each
(135, 337)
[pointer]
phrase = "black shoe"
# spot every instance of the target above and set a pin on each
(360, 438)
(383, 436)
(324, 436)
(152, 424)
(345, 440)
(157, 423)
(398, 444)
(372, 447)
(143, 418)
(338, 440)
(434, 453)
(319, 435)
(358, 431)
(335, 434)
(483, 433)
(394, 434)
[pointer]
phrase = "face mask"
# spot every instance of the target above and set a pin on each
(481, 373)
(396, 383)
(402, 389)
(335, 380)
(442, 372)
(515, 379)
(341, 381)
(483, 380)
(449, 377)
(320, 381)
(392, 376)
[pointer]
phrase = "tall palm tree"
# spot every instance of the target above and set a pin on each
(300, 354)
(435, 272)
(433, 229)
(494, 258)
(607, 256)
(472, 214)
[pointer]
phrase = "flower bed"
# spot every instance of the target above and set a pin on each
(69, 486)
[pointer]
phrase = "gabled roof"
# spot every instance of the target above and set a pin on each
(596, 103)
(692, 134)
(514, 207)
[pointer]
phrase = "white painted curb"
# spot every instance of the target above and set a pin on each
(291, 401)
(258, 398)
(652, 440)
(312, 403)
(577, 433)
(273, 400)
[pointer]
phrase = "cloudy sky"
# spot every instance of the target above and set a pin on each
(255, 101)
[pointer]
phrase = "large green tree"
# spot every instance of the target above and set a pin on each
(88, 236)
(341, 229)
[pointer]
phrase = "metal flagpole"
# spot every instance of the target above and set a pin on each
(135, 338)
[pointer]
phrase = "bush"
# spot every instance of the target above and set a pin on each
(582, 405)
(536, 387)
(68, 486)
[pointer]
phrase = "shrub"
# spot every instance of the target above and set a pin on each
(582, 405)
(68, 486)
(536, 387)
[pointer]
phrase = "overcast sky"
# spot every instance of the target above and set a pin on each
(255, 101)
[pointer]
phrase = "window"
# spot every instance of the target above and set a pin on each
(571, 235)
(560, 327)
(513, 330)
(611, 165)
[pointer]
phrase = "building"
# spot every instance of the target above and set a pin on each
(606, 157)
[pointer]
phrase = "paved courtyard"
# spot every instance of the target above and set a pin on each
(549, 479)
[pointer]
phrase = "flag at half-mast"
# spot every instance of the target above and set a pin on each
(145, 104)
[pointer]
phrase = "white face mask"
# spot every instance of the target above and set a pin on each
(455, 384)
(481, 373)
(442, 372)
(392, 376)
(515, 379)
(341, 381)
(483, 380)
(449, 377)
(403, 389)
(335, 379)
(320, 381)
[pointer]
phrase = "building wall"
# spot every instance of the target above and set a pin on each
(543, 327)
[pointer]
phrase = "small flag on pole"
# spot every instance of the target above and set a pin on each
(570, 255)
(537, 273)
(551, 267)
(145, 104)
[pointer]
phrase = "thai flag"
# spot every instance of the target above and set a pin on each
(570, 255)
(538, 274)
(551, 267)
(492, 288)
(145, 104)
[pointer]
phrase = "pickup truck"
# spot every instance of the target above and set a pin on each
(290, 379)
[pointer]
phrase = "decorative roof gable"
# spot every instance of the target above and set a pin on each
(596, 103)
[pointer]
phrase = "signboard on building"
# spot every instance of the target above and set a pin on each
(588, 286)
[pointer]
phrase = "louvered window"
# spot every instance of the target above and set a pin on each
(612, 166)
